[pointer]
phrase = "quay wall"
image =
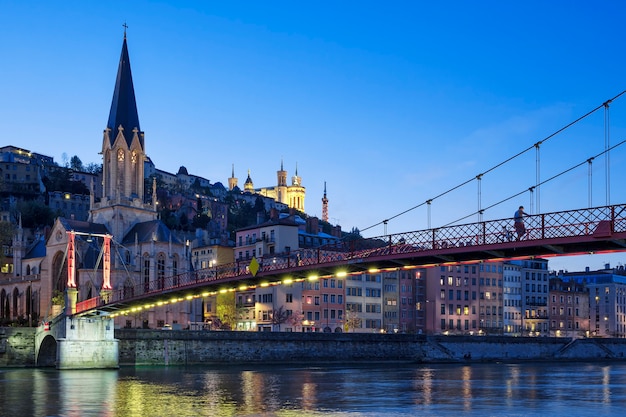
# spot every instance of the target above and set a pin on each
(171, 347)
(187, 347)
(17, 346)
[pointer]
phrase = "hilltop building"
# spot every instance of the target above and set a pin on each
(291, 195)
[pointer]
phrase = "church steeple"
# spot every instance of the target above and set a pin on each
(124, 106)
(123, 156)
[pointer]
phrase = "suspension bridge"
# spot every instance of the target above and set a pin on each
(591, 230)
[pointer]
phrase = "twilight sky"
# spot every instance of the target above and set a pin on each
(391, 103)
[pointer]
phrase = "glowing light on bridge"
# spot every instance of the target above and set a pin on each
(313, 277)
(342, 274)
(287, 281)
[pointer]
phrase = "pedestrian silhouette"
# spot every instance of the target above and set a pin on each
(520, 227)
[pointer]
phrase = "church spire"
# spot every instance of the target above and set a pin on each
(124, 106)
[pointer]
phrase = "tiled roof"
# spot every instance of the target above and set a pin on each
(146, 231)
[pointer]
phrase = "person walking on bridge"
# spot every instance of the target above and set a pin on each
(518, 219)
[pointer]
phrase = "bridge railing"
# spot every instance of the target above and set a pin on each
(597, 222)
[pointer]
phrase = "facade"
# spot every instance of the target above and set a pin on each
(451, 302)
(568, 304)
(512, 299)
(21, 172)
(535, 290)
(364, 303)
(491, 309)
(607, 299)
(72, 206)
(276, 237)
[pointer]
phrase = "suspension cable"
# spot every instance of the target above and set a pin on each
(567, 126)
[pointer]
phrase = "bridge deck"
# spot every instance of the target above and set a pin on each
(593, 230)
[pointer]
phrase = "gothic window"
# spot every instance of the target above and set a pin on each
(129, 289)
(175, 269)
(133, 157)
(146, 272)
(120, 171)
(161, 270)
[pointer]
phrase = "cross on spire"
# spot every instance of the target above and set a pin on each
(125, 27)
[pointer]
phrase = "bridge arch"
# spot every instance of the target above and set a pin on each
(46, 352)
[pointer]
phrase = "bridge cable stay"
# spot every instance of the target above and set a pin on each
(590, 178)
(607, 165)
(541, 183)
(535, 145)
(537, 179)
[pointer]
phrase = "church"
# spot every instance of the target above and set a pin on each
(143, 251)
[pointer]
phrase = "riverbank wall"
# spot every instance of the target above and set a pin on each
(148, 347)
(17, 346)
(186, 347)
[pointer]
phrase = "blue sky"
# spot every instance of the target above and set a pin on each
(390, 103)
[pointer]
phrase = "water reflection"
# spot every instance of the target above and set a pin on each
(403, 390)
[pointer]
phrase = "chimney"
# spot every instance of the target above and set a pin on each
(312, 225)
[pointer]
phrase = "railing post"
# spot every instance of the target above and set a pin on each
(543, 226)
(484, 233)
(433, 238)
(612, 219)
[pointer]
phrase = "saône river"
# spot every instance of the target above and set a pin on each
(476, 389)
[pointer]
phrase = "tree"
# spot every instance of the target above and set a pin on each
(93, 168)
(295, 319)
(35, 214)
(353, 321)
(76, 164)
(226, 310)
(279, 317)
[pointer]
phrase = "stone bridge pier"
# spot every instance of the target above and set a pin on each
(69, 342)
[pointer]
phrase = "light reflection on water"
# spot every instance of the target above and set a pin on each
(290, 391)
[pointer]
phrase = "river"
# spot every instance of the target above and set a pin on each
(477, 389)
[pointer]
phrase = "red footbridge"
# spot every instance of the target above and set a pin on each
(573, 232)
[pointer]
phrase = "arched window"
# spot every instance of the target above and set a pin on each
(16, 299)
(27, 269)
(121, 180)
(175, 270)
(161, 270)
(4, 304)
(59, 272)
(129, 288)
(146, 272)
(29, 300)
